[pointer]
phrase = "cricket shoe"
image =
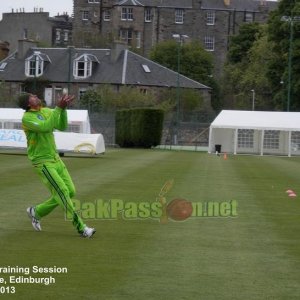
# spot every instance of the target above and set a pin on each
(34, 221)
(88, 232)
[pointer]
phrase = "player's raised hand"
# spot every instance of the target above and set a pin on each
(65, 101)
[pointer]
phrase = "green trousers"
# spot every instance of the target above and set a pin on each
(58, 180)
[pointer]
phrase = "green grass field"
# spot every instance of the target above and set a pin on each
(255, 255)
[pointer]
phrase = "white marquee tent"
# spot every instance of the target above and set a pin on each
(78, 137)
(255, 132)
(78, 120)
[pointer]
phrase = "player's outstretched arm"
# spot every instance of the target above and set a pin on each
(63, 102)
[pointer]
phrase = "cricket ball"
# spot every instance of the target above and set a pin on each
(179, 209)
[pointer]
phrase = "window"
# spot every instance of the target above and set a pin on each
(245, 138)
(138, 39)
(57, 36)
(295, 141)
(127, 14)
(85, 15)
(209, 43)
(34, 65)
(73, 128)
(210, 18)
(82, 66)
(179, 16)
(126, 35)
(25, 34)
(146, 69)
(2, 66)
(94, 1)
(12, 125)
(106, 16)
(66, 35)
(248, 17)
(81, 92)
(148, 14)
(271, 139)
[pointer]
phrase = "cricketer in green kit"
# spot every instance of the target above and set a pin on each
(39, 123)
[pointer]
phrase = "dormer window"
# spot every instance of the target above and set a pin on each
(35, 64)
(83, 65)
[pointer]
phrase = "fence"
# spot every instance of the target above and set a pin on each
(190, 130)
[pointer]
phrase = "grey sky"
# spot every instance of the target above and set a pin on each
(51, 6)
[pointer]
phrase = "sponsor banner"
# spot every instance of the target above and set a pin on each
(65, 141)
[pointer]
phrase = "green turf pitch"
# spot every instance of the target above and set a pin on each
(254, 255)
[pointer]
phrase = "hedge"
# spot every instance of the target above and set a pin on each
(139, 127)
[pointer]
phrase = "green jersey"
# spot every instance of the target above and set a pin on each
(39, 127)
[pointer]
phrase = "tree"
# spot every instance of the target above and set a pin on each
(279, 33)
(247, 70)
(105, 99)
(195, 63)
(241, 43)
(255, 75)
(36, 86)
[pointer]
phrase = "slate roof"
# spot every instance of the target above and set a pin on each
(127, 69)
(157, 3)
(238, 5)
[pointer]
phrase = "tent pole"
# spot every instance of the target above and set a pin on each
(262, 143)
(289, 143)
(235, 141)
(210, 140)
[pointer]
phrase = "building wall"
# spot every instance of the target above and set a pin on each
(35, 26)
(163, 26)
(16, 26)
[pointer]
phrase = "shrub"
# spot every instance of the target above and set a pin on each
(139, 127)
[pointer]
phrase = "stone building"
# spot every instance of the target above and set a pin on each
(143, 23)
(4, 49)
(37, 26)
(80, 69)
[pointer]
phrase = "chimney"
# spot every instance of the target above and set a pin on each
(24, 46)
(117, 48)
(227, 2)
(263, 6)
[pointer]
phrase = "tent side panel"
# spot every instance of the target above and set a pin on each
(223, 137)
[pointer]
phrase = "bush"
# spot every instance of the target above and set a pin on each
(139, 127)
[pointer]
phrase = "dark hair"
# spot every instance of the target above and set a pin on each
(23, 100)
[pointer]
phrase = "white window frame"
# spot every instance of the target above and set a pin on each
(138, 39)
(106, 15)
(85, 15)
(271, 139)
(57, 34)
(210, 18)
(209, 43)
(126, 35)
(83, 65)
(34, 66)
(148, 14)
(127, 14)
(2, 66)
(246, 138)
(93, 1)
(66, 35)
(179, 13)
(249, 18)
